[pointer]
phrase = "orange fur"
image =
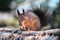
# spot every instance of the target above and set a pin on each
(29, 21)
(29, 24)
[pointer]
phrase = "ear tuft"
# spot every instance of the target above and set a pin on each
(23, 11)
(18, 12)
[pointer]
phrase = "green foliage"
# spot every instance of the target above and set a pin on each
(57, 12)
(57, 17)
(4, 4)
(19, 1)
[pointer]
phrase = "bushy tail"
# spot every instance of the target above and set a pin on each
(41, 15)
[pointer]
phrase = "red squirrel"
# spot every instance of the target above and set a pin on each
(28, 21)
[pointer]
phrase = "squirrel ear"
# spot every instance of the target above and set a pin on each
(18, 12)
(23, 11)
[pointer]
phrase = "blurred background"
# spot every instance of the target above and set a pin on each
(8, 11)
